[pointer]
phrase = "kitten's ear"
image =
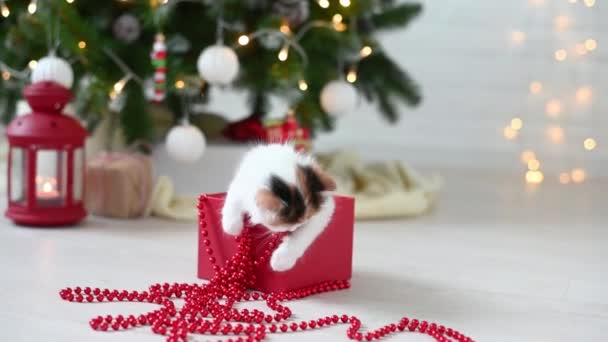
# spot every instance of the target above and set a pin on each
(267, 200)
(329, 184)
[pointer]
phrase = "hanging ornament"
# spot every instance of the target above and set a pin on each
(218, 65)
(338, 98)
(53, 68)
(126, 28)
(295, 12)
(159, 61)
(185, 143)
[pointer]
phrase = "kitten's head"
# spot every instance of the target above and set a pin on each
(284, 207)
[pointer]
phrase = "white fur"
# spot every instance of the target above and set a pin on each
(253, 175)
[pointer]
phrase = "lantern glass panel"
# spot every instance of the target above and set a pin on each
(51, 178)
(18, 175)
(78, 174)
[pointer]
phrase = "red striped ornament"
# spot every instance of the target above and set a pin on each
(159, 61)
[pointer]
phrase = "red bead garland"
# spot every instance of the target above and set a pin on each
(209, 308)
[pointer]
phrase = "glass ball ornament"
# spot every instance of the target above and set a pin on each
(55, 69)
(185, 143)
(218, 65)
(338, 98)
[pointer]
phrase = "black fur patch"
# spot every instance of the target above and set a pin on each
(294, 206)
(314, 185)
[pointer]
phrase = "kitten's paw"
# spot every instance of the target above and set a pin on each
(283, 258)
(232, 225)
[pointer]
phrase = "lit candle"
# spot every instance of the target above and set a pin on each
(46, 187)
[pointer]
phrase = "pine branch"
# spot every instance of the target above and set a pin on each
(396, 17)
(135, 121)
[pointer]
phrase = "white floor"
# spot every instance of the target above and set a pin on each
(495, 261)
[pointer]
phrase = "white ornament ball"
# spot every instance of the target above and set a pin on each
(52, 68)
(185, 143)
(338, 98)
(126, 28)
(218, 64)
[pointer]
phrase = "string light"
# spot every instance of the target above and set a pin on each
(561, 55)
(533, 164)
(527, 155)
(4, 10)
(590, 44)
(323, 3)
(365, 51)
(518, 37)
(351, 76)
(179, 84)
(578, 175)
(589, 3)
(509, 133)
(69, 1)
(534, 177)
(302, 85)
(32, 64)
(32, 7)
(562, 22)
(517, 123)
(285, 29)
(120, 85)
(553, 108)
(82, 44)
(6, 75)
(337, 18)
(555, 134)
(584, 94)
(589, 144)
(345, 3)
(283, 54)
(243, 40)
(536, 87)
(564, 177)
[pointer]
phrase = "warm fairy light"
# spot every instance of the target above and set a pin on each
(345, 3)
(589, 144)
(244, 40)
(561, 55)
(337, 18)
(589, 3)
(365, 51)
(580, 49)
(283, 54)
(302, 85)
(340, 27)
(584, 94)
(533, 164)
(555, 134)
(285, 29)
(518, 37)
(4, 10)
(527, 155)
(590, 44)
(517, 123)
(69, 1)
(534, 177)
(6, 75)
(536, 87)
(578, 175)
(119, 86)
(564, 177)
(82, 44)
(562, 22)
(351, 76)
(179, 84)
(113, 95)
(509, 133)
(553, 108)
(323, 3)
(32, 64)
(32, 7)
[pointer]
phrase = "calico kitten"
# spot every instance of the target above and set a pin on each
(285, 191)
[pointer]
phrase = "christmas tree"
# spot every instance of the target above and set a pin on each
(289, 48)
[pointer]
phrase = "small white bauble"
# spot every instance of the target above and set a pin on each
(52, 68)
(338, 98)
(185, 143)
(218, 64)
(126, 28)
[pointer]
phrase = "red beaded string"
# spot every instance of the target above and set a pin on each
(209, 308)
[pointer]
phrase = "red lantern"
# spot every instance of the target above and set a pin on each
(46, 161)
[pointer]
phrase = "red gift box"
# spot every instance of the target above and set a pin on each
(328, 258)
